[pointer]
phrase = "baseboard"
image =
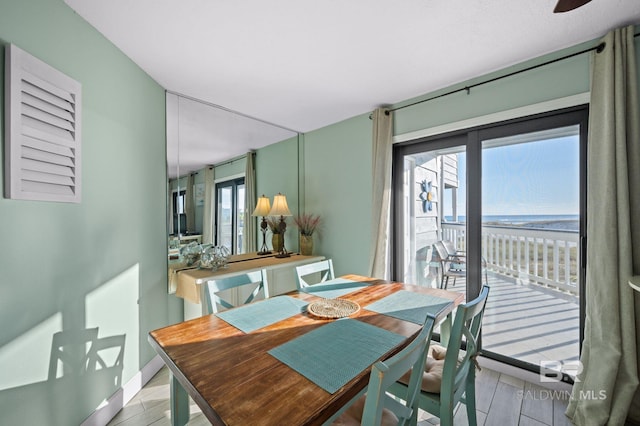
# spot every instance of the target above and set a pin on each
(114, 404)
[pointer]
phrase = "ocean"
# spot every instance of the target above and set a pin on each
(544, 221)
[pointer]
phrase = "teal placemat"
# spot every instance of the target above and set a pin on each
(332, 355)
(409, 306)
(332, 289)
(263, 313)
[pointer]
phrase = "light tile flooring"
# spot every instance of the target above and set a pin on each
(502, 400)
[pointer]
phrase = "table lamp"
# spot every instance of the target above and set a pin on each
(281, 209)
(263, 207)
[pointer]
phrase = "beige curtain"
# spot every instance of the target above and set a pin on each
(190, 205)
(605, 388)
(250, 226)
(208, 211)
(381, 197)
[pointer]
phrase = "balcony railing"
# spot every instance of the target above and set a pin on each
(539, 256)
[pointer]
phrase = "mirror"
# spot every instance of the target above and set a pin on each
(200, 135)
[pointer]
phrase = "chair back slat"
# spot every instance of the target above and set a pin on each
(467, 323)
(214, 287)
(384, 374)
(323, 268)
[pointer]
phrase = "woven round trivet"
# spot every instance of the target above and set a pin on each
(333, 308)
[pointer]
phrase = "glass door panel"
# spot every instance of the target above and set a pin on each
(433, 209)
(240, 209)
(530, 243)
(230, 215)
(225, 217)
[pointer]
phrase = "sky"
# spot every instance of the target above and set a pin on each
(535, 178)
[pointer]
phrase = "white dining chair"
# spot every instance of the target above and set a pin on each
(314, 273)
(214, 287)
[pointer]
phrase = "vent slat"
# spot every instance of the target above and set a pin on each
(45, 146)
(47, 107)
(39, 130)
(32, 176)
(45, 117)
(39, 166)
(44, 90)
(46, 157)
(41, 188)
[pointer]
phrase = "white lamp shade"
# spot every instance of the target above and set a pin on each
(280, 207)
(263, 207)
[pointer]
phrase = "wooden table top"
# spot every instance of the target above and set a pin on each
(233, 379)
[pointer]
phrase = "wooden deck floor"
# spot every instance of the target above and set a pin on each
(529, 322)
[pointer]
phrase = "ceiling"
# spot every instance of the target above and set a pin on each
(302, 64)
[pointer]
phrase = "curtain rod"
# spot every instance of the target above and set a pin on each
(599, 48)
(240, 157)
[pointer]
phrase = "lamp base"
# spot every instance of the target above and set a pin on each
(263, 253)
(282, 254)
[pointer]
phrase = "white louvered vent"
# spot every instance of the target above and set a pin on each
(42, 139)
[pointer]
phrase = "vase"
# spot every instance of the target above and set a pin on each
(306, 245)
(277, 242)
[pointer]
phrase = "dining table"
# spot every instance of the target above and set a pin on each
(283, 360)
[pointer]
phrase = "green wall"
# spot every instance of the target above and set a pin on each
(277, 171)
(337, 186)
(100, 263)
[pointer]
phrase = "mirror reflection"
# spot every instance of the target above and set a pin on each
(211, 163)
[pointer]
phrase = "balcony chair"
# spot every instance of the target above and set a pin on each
(453, 263)
(214, 287)
(379, 408)
(440, 397)
(321, 271)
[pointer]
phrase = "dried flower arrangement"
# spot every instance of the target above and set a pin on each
(307, 223)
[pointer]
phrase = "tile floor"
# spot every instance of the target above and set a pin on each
(502, 400)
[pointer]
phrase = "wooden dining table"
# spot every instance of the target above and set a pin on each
(235, 379)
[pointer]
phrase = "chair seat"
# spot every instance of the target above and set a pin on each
(433, 368)
(353, 415)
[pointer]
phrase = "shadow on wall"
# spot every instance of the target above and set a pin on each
(81, 366)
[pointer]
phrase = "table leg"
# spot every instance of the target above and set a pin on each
(179, 403)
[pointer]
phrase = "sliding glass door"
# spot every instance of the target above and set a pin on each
(230, 215)
(509, 198)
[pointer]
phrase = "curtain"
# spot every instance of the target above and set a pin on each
(249, 204)
(190, 205)
(605, 388)
(208, 211)
(381, 197)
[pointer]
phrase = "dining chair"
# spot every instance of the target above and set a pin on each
(458, 372)
(321, 272)
(453, 263)
(214, 287)
(376, 407)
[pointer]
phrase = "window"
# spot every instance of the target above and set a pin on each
(230, 208)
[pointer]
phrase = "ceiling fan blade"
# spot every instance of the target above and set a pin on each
(567, 5)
